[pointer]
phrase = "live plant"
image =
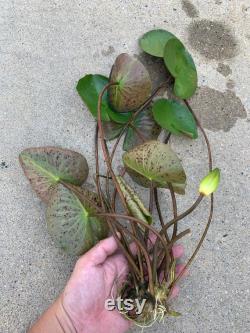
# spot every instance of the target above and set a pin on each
(124, 105)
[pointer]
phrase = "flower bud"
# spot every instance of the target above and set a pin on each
(210, 183)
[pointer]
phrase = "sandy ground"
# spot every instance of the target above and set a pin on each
(45, 47)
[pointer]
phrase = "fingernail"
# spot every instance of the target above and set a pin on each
(180, 268)
(178, 251)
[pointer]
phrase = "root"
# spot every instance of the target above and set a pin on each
(155, 308)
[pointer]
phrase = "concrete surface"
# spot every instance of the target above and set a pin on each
(45, 47)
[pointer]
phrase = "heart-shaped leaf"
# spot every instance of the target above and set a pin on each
(111, 130)
(175, 117)
(153, 42)
(46, 166)
(181, 66)
(155, 162)
(89, 88)
(142, 128)
(72, 222)
(133, 84)
(135, 205)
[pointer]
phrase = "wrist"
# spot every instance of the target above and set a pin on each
(63, 317)
(54, 320)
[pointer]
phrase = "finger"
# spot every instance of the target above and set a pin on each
(174, 292)
(151, 239)
(99, 253)
(178, 251)
(180, 269)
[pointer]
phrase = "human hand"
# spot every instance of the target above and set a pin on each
(94, 280)
(100, 269)
(81, 306)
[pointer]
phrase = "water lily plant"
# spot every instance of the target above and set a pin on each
(125, 106)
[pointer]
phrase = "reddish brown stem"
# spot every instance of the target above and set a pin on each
(184, 214)
(135, 220)
(174, 203)
(199, 244)
(108, 160)
(210, 160)
(97, 180)
(147, 259)
(125, 252)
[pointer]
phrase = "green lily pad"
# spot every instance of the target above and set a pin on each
(135, 205)
(133, 84)
(176, 57)
(153, 42)
(185, 84)
(181, 66)
(72, 222)
(46, 166)
(111, 130)
(144, 124)
(175, 117)
(89, 88)
(155, 162)
(120, 117)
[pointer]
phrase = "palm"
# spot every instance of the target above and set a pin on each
(93, 281)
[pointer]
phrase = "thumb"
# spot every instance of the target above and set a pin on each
(99, 253)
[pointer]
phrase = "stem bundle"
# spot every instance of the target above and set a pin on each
(151, 252)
